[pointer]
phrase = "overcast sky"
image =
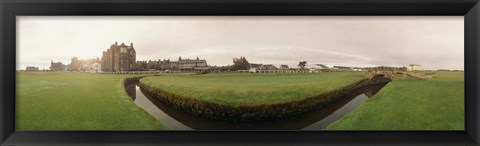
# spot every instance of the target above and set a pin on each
(435, 42)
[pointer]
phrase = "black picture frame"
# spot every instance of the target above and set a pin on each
(9, 9)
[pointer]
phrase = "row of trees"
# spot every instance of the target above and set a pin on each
(241, 63)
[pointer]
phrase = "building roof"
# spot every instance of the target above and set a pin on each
(192, 61)
(254, 65)
(268, 65)
(321, 65)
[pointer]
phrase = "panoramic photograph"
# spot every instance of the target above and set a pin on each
(240, 73)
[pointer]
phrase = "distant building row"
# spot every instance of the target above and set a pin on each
(167, 64)
(122, 57)
(321, 67)
(253, 67)
(411, 67)
(118, 58)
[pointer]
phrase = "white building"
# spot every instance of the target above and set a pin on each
(94, 68)
(283, 67)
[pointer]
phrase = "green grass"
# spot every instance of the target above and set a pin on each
(436, 104)
(77, 101)
(252, 89)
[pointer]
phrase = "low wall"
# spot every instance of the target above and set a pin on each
(256, 112)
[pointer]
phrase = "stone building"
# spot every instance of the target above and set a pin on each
(57, 66)
(118, 58)
(194, 64)
(75, 65)
(167, 64)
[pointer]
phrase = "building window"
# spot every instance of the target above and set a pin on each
(123, 50)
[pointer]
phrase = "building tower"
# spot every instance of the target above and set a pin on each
(118, 58)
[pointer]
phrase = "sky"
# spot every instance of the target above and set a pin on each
(435, 42)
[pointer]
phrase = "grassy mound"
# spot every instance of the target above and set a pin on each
(77, 101)
(247, 97)
(436, 104)
(252, 89)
